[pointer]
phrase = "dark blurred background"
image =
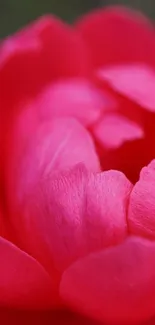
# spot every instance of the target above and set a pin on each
(16, 13)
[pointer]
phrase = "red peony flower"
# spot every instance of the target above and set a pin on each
(77, 236)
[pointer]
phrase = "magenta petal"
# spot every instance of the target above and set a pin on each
(134, 81)
(35, 56)
(116, 285)
(113, 130)
(118, 35)
(23, 281)
(142, 204)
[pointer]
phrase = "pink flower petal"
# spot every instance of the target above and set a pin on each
(23, 281)
(116, 285)
(134, 81)
(113, 130)
(118, 139)
(117, 35)
(35, 152)
(142, 204)
(72, 97)
(80, 213)
(107, 196)
(40, 53)
(36, 149)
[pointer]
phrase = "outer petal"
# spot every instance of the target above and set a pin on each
(116, 35)
(45, 50)
(23, 281)
(142, 204)
(116, 285)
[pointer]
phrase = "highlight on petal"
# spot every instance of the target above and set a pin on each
(107, 196)
(134, 81)
(116, 285)
(84, 212)
(35, 56)
(76, 98)
(35, 151)
(116, 35)
(23, 281)
(113, 130)
(141, 211)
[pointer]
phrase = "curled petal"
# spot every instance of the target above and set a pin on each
(142, 204)
(36, 150)
(117, 35)
(105, 220)
(76, 98)
(133, 81)
(80, 211)
(115, 285)
(123, 145)
(23, 281)
(113, 130)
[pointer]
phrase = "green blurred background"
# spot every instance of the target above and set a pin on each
(16, 13)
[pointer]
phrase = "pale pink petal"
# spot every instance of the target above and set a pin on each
(107, 196)
(116, 285)
(113, 130)
(84, 212)
(76, 98)
(52, 218)
(36, 149)
(34, 154)
(134, 81)
(55, 145)
(142, 204)
(23, 281)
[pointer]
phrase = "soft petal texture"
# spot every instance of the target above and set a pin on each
(23, 281)
(77, 98)
(44, 51)
(134, 81)
(107, 196)
(82, 213)
(116, 285)
(41, 53)
(113, 130)
(118, 35)
(36, 150)
(142, 204)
